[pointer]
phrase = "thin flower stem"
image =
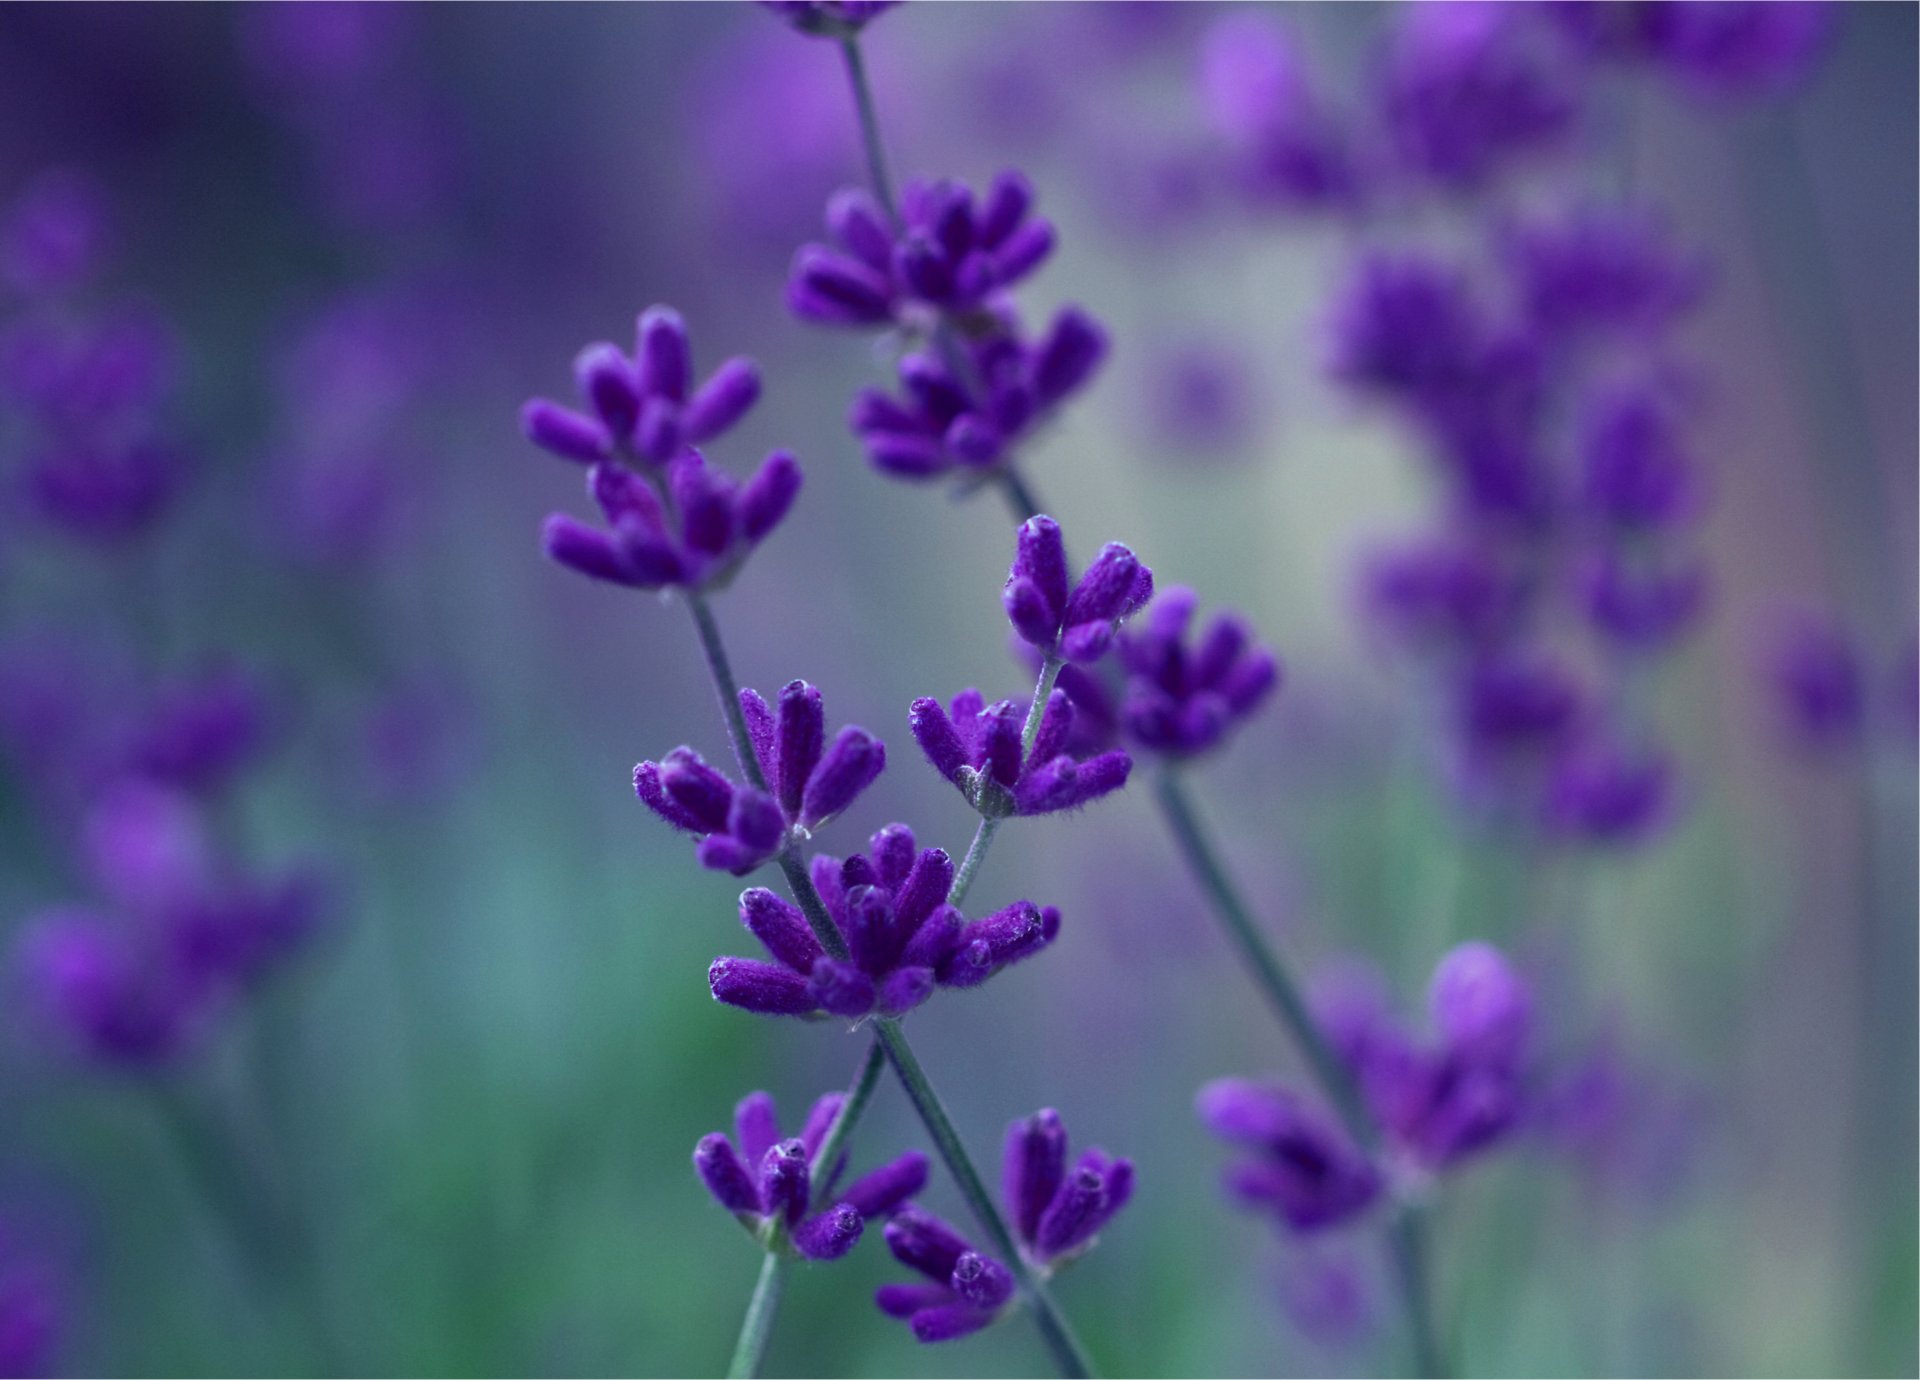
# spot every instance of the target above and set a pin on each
(1021, 500)
(1407, 1240)
(756, 1329)
(1068, 1354)
(869, 122)
(858, 1096)
(724, 685)
(976, 854)
(1262, 960)
(1042, 688)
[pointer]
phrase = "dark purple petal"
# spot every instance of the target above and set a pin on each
(1105, 590)
(981, 1280)
(908, 456)
(705, 497)
(972, 440)
(1032, 1167)
(933, 943)
(780, 925)
(870, 930)
(725, 853)
(829, 1235)
(765, 499)
(841, 988)
(802, 734)
(949, 1322)
(886, 1188)
(766, 988)
(657, 435)
(1047, 787)
(759, 718)
(837, 290)
(999, 744)
(1072, 1215)
(892, 852)
(756, 821)
(1101, 775)
(756, 1125)
(666, 361)
(785, 1182)
(1073, 350)
(1008, 199)
(925, 886)
(923, 1242)
(646, 785)
(570, 542)
(904, 989)
(1040, 555)
(564, 432)
(724, 1175)
(606, 380)
(820, 1118)
(904, 1300)
(859, 222)
(1024, 251)
(1056, 722)
(1027, 610)
(722, 400)
(697, 788)
(850, 765)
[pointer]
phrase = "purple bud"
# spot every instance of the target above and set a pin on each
(570, 542)
(802, 733)
(820, 1118)
(1481, 1006)
(878, 1194)
(949, 1322)
(829, 1235)
(756, 1125)
(1048, 787)
(934, 942)
(1006, 204)
(1025, 249)
(837, 290)
(904, 1300)
(768, 495)
(756, 821)
(981, 1280)
(606, 380)
(765, 988)
(646, 785)
(564, 432)
(723, 400)
(840, 988)
(850, 765)
(697, 788)
(925, 886)
(779, 925)
(785, 1183)
(904, 989)
(666, 365)
(1106, 589)
(657, 435)
(1056, 722)
(908, 456)
(1073, 350)
(870, 930)
(759, 719)
(973, 440)
(1029, 613)
(1076, 1210)
(724, 1175)
(705, 497)
(1040, 555)
(725, 853)
(1032, 1167)
(999, 743)
(923, 1242)
(859, 223)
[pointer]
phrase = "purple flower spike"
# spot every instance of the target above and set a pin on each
(1034, 1163)
(1305, 1171)
(1481, 1007)
(1818, 681)
(981, 1281)
(968, 1290)
(1076, 625)
(978, 749)
(776, 1196)
(1181, 700)
(904, 941)
(1606, 795)
(646, 416)
(947, 254)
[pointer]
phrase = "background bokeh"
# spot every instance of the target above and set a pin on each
(372, 233)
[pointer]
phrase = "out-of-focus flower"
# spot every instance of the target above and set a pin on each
(810, 781)
(1181, 700)
(1469, 87)
(903, 939)
(1055, 1212)
(1200, 399)
(1287, 147)
(1818, 681)
(1443, 593)
(978, 748)
(771, 1184)
(34, 1306)
(829, 18)
(1601, 269)
(1717, 49)
(1305, 1170)
(1636, 474)
(1602, 792)
(55, 234)
(1642, 604)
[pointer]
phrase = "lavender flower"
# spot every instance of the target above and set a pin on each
(1467, 90)
(829, 18)
(1179, 700)
(1600, 269)
(1818, 682)
(978, 749)
(903, 939)
(1306, 1172)
(811, 781)
(971, 421)
(949, 255)
(55, 234)
(771, 1184)
(105, 993)
(1075, 622)
(1636, 473)
(1288, 148)
(1055, 1214)
(1641, 604)
(1718, 49)
(1603, 792)
(1443, 592)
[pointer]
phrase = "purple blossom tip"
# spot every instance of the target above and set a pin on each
(851, 763)
(785, 1181)
(949, 1322)
(1304, 1170)
(925, 1243)
(565, 433)
(1480, 1005)
(829, 1235)
(726, 1178)
(765, 988)
(756, 1125)
(1077, 625)
(883, 1191)
(981, 1281)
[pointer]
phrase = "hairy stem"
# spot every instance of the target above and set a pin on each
(756, 1329)
(1068, 1354)
(858, 1096)
(869, 122)
(976, 854)
(720, 670)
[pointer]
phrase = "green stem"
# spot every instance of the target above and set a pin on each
(1261, 959)
(1068, 1354)
(756, 1329)
(1407, 1239)
(976, 854)
(869, 122)
(858, 1096)
(724, 685)
(1049, 673)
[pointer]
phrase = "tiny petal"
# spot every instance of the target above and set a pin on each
(1025, 250)
(1105, 590)
(925, 886)
(933, 943)
(570, 542)
(802, 732)
(878, 1194)
(1032, 1167)
(981, 1280)
(1076, 1210)
(837, 290)
(724, 1175)
(1481, 1006)
(780, 925)
(858, 222)
(756, 1125)
(697, 788)
(564, 432)
(1040, 555)
(759, 728)
(785, 1182)
(1027, 610)
(904, 989)
(999, 747)
(904, 1300)
(820, 1118)
(666, 365)
(766, 988)
(1073, 351)
(949, 1322)
(1006, 204)
(840, 988)
(923, 1242)
(893, 853)
(850, 765)
(829, 1235)
(723, 400)
(606, 380)
(768, 495)
(756, 821)
(646, 785)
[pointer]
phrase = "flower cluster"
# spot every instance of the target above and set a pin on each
(812, 780)
(889, 910)
(1074, 621)
(772, 1184)
(1054, 1212)
(1436, 1104)
(672, 519)
(977, 747)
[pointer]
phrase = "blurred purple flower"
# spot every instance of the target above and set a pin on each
(1287, 148)
(1305, 1171)
(1595, 268)
(1604, 793)
(35, 1303)
(1200, 399)
(1443, 593)
(1182, 700)
(1818, 681)
(829, 18)
(55, 234)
